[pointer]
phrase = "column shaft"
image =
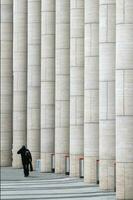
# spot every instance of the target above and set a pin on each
(76, 84)
(47, 82)
(62, 84)
(107, 93)
(33, 85)
(91, 91)
(124, 99)
(19, 77)
(6, 81)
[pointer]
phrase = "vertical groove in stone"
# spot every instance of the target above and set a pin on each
(62, 97)
(47, 82)
(76, 84)
(34, 78)
(124, 99)
(19, 77)
(91, 91)
(6, 81)
(107, 93)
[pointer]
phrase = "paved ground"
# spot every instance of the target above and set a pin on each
(47, 186)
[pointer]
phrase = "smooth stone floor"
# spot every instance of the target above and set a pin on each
(47, 186)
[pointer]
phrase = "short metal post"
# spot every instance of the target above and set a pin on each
(53, 163)
(115, 177)
(81, 167)
(67, 165)
(97, 170)
(38, 167)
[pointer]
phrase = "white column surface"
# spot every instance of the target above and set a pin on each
(124, 100)
(6, 81)
(19, 77)
(34, 78)
(76, 84)
(107, 93)
(62, 97)
(47, 82)
(91, 91)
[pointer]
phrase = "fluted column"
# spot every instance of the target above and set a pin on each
(62, 84)
(19, 77)
(124, 100)
(6, 81)
(76, 84)
(91, 91)
(107, 93)
(34, 78)
(47, 82)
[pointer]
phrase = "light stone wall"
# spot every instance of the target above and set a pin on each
(47, 82)
(107, 93)
(6, 8)
(62, 102)
(19, 77)
(124, 99)
(76, 84)
(33, 84)
(91, 91)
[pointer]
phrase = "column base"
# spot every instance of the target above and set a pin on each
(74, 165)
(46, 162)
(60, 163)
(124, 181)
(106, 175)
(90, 170)
(6, 159)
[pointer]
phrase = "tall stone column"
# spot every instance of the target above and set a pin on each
(62, 97)
(6, 81)
(124, 99)
(76, 84)
(19, 77)
(91, 91)
(34, 78)
(107, 93)
(47, 82)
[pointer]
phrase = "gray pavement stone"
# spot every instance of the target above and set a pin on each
(47, 186)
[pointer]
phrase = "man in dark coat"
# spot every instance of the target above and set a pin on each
(26, 160)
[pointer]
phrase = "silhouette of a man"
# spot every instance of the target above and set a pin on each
(26, 160)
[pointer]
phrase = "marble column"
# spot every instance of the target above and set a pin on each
(34, 78)
(6, 81)
(76, 84)
(62, 97)
(19, 77)
(91, 91)
(47, 82)
(124, 99)
(107, 93)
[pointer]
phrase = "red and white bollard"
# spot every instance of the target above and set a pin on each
(53, 163)
(67, 165)
(81, 167)
(97, 173)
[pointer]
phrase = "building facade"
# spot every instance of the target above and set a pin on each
(67, 87)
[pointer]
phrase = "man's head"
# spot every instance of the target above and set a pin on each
(24, 147)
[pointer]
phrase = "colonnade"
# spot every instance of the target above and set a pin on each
(67, 87)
